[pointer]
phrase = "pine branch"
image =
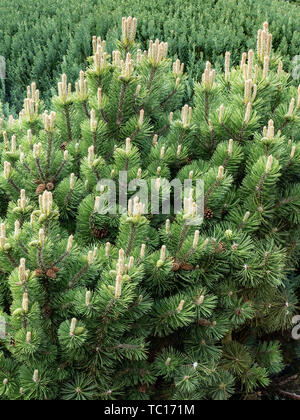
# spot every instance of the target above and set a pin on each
(38, 165)
(54, 178)
(131, 239)
(28, 169)
(163, 129)
(61, 258)
(49, 151)
(68, 122)
(215, 185)
(11, 259)
(13, 184)
(293, 396)
(78, 276)
(103, 115)
(183, 234)
(170, 96)
(121, 103)
(95, 141)
(151, 78)
(206, 106)
(85, 108)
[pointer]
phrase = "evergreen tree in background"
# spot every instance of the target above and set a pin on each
(41, 40)
(134, 305)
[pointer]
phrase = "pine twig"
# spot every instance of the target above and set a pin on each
(121, 104)
(67, 115)
(59, 171)
(38, 165)
(291, 395)
(13, 184)
(78, 275)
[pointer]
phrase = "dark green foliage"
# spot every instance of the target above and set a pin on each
(40, 40)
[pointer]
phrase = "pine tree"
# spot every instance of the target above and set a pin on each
(134, 305)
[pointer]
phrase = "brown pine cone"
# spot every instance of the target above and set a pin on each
(100, 233)
(204, 323)
(63, 145)
(224, 210)
(143, 389)
(50, 186)
(208, 213)
(176, 265)
(51, 273)
(47, 311)
(187, 267)
(221, 247)
(238, 312)
(41, 188)
(38, 272)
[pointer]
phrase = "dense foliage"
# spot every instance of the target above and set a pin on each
(139, 306)
(40, 40)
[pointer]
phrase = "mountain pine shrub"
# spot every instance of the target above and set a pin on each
(134, 305)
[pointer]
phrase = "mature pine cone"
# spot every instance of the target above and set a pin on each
(204, 323)
(41, 188)
(238, 312)
(38, 272)
(50, 186)
(176, 265)
(187, 267)
(51, 273)
(100, 233)
(63, 145)
(47, 311)
(208, 213)
(221, 247)
(143, 389)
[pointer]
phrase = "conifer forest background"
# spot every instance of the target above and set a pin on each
(133, 304)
